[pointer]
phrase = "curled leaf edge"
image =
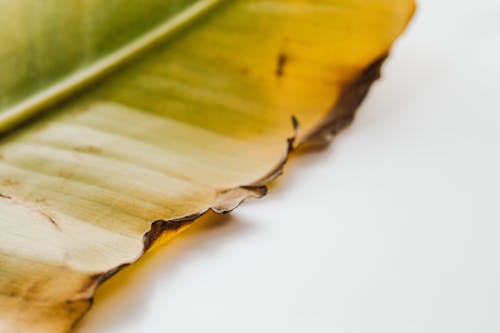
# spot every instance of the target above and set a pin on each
(340, 116)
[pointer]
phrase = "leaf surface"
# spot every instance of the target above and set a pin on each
(151, 112)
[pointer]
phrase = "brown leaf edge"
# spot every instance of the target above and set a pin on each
(340, 116)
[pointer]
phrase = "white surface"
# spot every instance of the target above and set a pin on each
(394, 228)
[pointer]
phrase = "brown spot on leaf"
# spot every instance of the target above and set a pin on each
(244, 70)
(51, 220)
(280, 64)
(10, 182)
(4, 196)
(41, 200)
(66, 174)
(89, 149)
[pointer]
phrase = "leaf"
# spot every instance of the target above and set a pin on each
(154, 112)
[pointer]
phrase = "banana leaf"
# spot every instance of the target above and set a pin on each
(122, 121)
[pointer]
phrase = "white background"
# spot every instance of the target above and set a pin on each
(393, 228)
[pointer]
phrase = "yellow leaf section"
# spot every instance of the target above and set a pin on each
(199, 122)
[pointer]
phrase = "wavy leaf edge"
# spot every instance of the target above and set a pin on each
(348, 102)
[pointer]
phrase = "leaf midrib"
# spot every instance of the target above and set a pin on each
(31, 106)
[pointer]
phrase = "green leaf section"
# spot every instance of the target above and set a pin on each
(51, 50)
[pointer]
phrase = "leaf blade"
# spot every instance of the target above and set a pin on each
(185, 128)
